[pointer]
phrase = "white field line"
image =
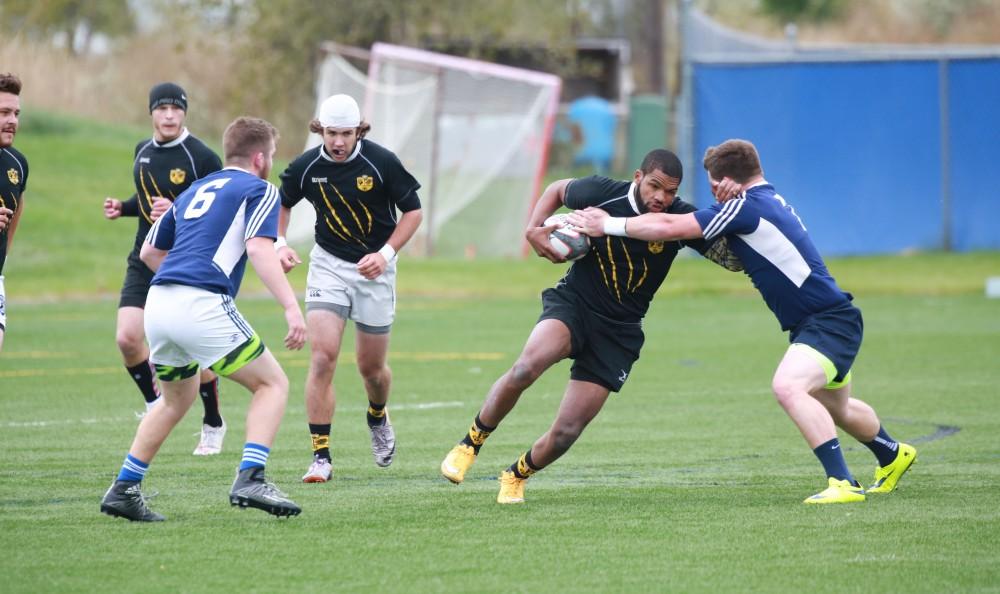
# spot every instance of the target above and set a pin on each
(132, 418)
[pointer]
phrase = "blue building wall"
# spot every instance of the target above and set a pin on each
(876, 156)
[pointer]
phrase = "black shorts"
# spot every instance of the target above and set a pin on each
(836, 333)
(603, 350)
(136, 286)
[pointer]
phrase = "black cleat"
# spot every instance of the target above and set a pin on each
(251, 489)
(125, 500)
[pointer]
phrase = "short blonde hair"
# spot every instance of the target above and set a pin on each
(247, 136)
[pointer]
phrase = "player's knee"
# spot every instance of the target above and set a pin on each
(375, 376)
(786, 390)
(522, 374)
(564, 435)
(323, 361)
(129, 342)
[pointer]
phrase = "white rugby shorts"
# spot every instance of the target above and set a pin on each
(186, 324)
(336, 285)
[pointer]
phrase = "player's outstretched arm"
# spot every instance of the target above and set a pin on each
(652, 226)
(262, 255)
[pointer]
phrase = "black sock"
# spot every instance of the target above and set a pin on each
(321, 440)
(142, 375)
(477, 434)
(524, 467)
(376, 414)
(210, 399)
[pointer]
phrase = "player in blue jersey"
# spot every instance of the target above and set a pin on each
(13, 177)
(356, 188)
(199, 249)
(813, 381)
(164, 166)
(593, 315)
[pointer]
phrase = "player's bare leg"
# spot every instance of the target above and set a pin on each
(859, 419)
(798, 376)
(548, 343)
(326, 331)
(580, 404)
(269, 384)
(130, 335)
(372, 350)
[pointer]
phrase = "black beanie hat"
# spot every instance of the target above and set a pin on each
(167, 94)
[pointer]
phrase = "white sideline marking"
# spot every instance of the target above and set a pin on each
(96, 420)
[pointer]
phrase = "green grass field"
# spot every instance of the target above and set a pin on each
(690, 480)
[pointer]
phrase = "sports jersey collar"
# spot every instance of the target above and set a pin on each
(632, 189)
(762, 182)
(323, 153)
(174, 142)
(235, 168)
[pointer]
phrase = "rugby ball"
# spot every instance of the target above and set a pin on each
(567, 239)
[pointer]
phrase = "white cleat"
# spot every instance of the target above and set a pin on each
(211, 440)
(319, 471)
(383, 442)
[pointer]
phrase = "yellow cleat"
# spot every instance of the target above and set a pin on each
(886, 477)
(511, 488)
(839, 491)
(457, 463)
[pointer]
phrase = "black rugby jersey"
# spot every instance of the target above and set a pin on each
(165, 170)
(13, 182)
(355, 200)
(619, 275)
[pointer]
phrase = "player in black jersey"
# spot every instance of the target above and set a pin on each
(356, 188)
(593, 315)
(164, 166)
(13, 178)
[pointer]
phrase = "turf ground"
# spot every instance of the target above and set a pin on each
(689, 480)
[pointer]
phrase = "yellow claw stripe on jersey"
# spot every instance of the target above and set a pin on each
(13, 201)
(333, 212)
(354, 214)
(611, 281)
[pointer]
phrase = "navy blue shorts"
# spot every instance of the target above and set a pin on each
(603, 350)
(836, 333)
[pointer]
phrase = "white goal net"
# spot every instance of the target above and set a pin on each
(475, 135)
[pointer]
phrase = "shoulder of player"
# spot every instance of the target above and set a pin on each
(197, 146)
(597, 187)
(15, 155)
(376, 153)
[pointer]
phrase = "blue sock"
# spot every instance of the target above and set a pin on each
(884, 447)
(254, 456)
(832, 458)
(133, 469)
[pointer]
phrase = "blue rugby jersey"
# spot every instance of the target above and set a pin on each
(207, 228)
(777, 253)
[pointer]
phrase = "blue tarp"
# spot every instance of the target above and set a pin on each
(857, 147)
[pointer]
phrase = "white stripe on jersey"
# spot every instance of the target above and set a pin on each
(377, 172)
(155, 229)
(19, 165)
(232, 246)
(768, 241)
(718, 223)
(259, 215)
(302, 180)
